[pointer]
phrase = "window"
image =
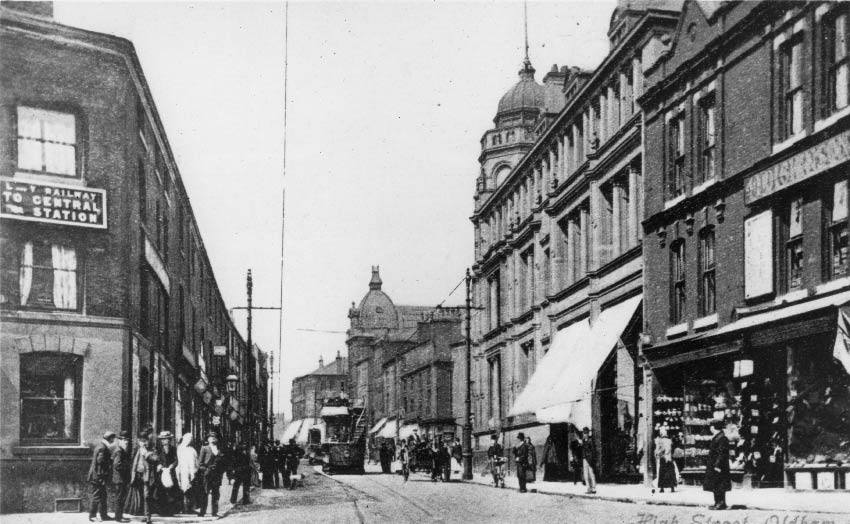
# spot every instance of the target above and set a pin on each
(839, 240)
(510, 135)
(707, 302)
(495, 387)
(143, 192)
(707, 137)
(47, 142)
(50, 397)
(676, 155)
(39, 276)
(794, 245)
(834, 37)
(494, 300)
(792, 86)
(606, 223)
(677, 282)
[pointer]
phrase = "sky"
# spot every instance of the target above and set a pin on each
(387, 102)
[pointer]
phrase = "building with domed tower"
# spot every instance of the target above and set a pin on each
(558, 266)
(400, 364)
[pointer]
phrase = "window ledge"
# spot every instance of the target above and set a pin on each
(832, 285)
(677, 330)
(52, 450)
(831, 119)
(702, 187)
(790, 141)
(706, 321)
(793, 296)
(674, 201)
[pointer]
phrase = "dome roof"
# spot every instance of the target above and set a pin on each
(525, 94)
(377, 309)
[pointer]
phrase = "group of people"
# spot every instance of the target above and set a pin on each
(279, 463)
(161, 478)
(436, 457)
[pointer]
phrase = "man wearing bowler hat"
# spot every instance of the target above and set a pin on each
(521, 460)
(99, 472)
(121, 470)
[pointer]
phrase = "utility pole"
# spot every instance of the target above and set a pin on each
(467, 405)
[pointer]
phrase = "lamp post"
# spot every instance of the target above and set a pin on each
(467, 404)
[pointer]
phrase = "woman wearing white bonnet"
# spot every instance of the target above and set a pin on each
(187, 467)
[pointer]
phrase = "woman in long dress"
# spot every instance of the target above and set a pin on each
(664, 461)
(139, 474)
(187, 469)
(167, 494)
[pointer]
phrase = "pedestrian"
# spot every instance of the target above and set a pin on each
(241, 467)
(292, 454)
(717, 479)
(122, 468)
(446, 461)
(457, 455)
(588, 449)
(576, 460)
(520, 452)
(211, 466)
(496, 456)
(139, 499)
(255, 467)
(531, 472)
(187, 470)
(279, 465)
(268, 466)
(434, 453)
(385, 455)
(664, 466)
(99, 476)
(169, 497)
(552, 461)
(153, 462)
(404, 458)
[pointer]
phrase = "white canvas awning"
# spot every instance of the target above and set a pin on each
(407, 430)
(334, 411)
(291, 430)
(389, 429)
(378, 426)
(565, 386)
(303, 436)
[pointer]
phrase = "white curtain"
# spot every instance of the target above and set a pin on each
(69, 406)
(64, 277)
(26, 273)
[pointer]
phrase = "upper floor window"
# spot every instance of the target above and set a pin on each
(51, 389)
(839, 237)
(39, 275)
(834, 52)
(794, 256)
(708, 136)
(707, 303)
(791, 105)
(677, 282)
(676, 155)
(47, 142)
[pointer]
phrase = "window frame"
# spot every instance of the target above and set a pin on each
(37, 267)
(708, 141)
(789, 92)
(789, 245)
(708, 271)
(71, 359)
(677, 155)
(829, 66)
(678, 282)
(835, 227)
(77, 144)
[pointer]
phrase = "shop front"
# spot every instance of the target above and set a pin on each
(778, 380)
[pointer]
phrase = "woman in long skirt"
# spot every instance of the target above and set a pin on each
(167, 494)
(664, 462)
(187, 469)
(255, 467)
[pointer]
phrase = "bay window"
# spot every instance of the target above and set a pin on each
(47, 142)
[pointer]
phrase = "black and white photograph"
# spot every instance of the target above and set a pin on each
(425, 261)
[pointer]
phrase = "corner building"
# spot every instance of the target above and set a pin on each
(111, 316)
(747, 149)
(558, 267)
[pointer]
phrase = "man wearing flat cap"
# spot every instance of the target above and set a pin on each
(121, 471)
(99, 473)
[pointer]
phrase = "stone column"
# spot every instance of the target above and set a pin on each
(613, 112)
(584, 241)
(572, 231)
(637, 75)
(617, 218)
(634, 192)
(587, 133)
(602, 131)
(625, 98)
(556, 241)
(595, 232)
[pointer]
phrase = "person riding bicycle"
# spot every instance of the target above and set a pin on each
(495, 455)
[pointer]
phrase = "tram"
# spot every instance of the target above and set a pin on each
(344, 443)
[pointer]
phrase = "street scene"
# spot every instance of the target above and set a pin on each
(381, 262)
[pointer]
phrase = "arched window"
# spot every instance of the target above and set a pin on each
(501, 174)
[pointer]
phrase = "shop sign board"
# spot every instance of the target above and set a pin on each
(53, 203)
(799, 167)
(219, 351)
(758, 255)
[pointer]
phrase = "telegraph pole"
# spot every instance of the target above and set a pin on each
(467, 405)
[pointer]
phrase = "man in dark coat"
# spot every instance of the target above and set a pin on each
(241, 466)
(211, 467)
(292, 456)
(589, 460)
(520, 452)
(121, 473)
(717, 478)
(385, 456)
(99, 475)
(495, 455)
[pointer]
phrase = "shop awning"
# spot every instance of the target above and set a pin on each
(334, 411)
(581, 352)
(789, 311)
(378, 426)
(291, 430)
(389, 429)
(407, 430)
(303, 436)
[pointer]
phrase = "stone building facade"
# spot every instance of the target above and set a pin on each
(311, 390)
(111, 316)
(558, 266)
(747, 150)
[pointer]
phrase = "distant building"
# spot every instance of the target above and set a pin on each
(399, 361)
(327, 381)
(112, 318)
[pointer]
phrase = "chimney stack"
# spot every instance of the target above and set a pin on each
(321, 362)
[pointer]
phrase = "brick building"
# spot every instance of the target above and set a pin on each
(558, 266)
(310, 390)
(747, 149)
(399, 362)
(111, 316)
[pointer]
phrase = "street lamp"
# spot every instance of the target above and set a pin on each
(231, 380)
